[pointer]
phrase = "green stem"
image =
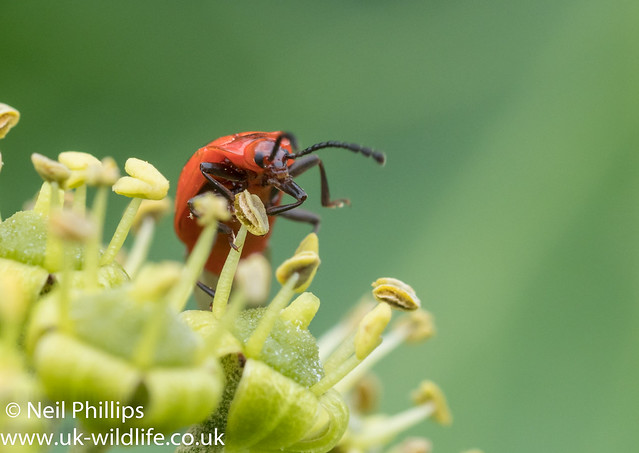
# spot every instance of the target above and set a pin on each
(145, 350)
(343, 352)
(141, 246)
(43, 202)
(390, 427)
(225, 282)
(53, 254)
(193, 268)
(121, 232)
(80, 199)
(92, 256)
(256, 341)
(334, 376)
(66, 323)
(390, 342)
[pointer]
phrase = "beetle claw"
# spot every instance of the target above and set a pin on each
(231, 237)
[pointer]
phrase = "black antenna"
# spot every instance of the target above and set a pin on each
(380, 158)
(278, 141)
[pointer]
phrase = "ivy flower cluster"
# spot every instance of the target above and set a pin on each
(80, 323)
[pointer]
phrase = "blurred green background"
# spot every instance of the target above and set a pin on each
(508, 200)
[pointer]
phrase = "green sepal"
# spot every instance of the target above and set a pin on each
(177, 397)
(71, 370)
(23, 238)
(113, 323)
(206, 326)
(329, 430)
(286, 410)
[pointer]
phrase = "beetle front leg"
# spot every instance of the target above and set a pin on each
(302, 215)
(307, 162)
(290, 187)
(209, 170)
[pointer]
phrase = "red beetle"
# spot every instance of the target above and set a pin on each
(265, 164)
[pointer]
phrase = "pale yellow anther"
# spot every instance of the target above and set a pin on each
(144, 181)
(419, 325)
(49, 169)
(77, 162)
(209, 208)
(429, 392)
(154, 281)
(155, 209)
(253, 276)
(414, 445)
(366, 394)
(305, 264)
(395, 293)
(1, 163)
(302, 310)
(250, 211)
(9, 117)
(474, 450)
(370, 329)
(104, 173)
(70, 226)
(309, 244)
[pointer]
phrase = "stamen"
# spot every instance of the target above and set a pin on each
(255, 343)
(302, 310)
(364, 341)
(210, 210)
(416, 326)
(9, 117)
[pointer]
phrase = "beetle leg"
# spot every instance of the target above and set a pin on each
(302, 215)
(307, 162)
(291, 188)
(207, 289)
(230, 173)
(225, 229)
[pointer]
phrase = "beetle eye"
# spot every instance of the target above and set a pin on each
(259, 159)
